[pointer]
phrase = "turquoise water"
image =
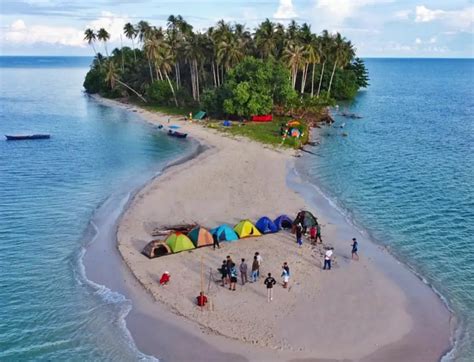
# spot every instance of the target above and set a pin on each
(49, 191)
(405, 172)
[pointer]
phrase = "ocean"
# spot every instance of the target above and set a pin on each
(404, 173)
(50, 190)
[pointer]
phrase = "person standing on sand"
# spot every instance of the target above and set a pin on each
(269, 283)
(233, 277)
(243, 272)
(318, 234)
(327, 259)
(229, 263)
(285, 274)
(312, 234)
(223, 271)
(259, 260)
(355, 246)
(255, 267)
(216, 242)
(299, 235)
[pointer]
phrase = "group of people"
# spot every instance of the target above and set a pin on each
(229, 274)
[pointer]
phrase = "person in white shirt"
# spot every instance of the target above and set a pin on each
(259, 260)
(327, 259)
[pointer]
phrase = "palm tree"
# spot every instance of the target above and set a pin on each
(112, 78)
(230, 51)
(131, 33)
(265, 39)
(294, 55)
(313, 52)
(103, 35)
(167, 61)
(193, 53)
(324, 50)
(91, 37)
(343, 52)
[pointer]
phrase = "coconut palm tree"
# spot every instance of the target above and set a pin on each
(343, 52)
(167, 62)
(91, 37)
(112, 78)
(193, 52)
(103, 35)
(313, 53)
(265, 39)
(230, 51)
(131, 33)
(294, 56)
(325, 47)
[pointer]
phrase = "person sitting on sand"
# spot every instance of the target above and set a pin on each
(233, 276)
(201, 300)
(355, 246)
(165, 278)
(243, 272)
(312, 234)
(223, 271)
(269, 283)
(255, 268)
(285, 274)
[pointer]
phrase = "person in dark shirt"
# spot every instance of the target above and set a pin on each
(255, 268)
(223, 271)
(355, 246)
(269, 283)
(299, 235)
(233, 276)
(243, 272)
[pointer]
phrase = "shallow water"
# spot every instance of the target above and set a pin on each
(405, 172)
(49, 191)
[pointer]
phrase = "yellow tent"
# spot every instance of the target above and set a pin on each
(245, 229)
(179, 242)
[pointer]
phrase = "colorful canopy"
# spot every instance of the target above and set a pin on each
(283, 222)
(246, 229)
(266, 226)
(156, 248)
(224, 233)
(179, 242)
(306, 218)
(200, 237)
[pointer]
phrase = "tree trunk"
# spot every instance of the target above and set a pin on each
(321, 79)
(303, 80)
(121, 51)
(134, 53)
(172, 89)
(312, 82)
(106, 51)
(151, 70)
(197, 80)
(95, 52)
(176, 74)
(133, 90)
(214, 74)
(332, 76)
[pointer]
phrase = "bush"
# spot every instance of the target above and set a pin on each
(160, 92)
(94, 81)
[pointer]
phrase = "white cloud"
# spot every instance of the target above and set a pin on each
(403, 14)
(285, 10)
(20, 32)
(418, 41)
(457, 19)
(433, 40)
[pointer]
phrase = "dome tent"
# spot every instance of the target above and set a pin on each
(283, 222)
(179, 242)
(246, 229)
(200, 237)
(224, 233)
(266, 226)
(306, 218)
(155, 249)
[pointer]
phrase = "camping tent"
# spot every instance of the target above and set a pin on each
(306, 218)
(245, 229)
(200, 115)
(156, 248)
(266, 226)
(224, 233)
(200, 237)
(179, 242)
(283, 222)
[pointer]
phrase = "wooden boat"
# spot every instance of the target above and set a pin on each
(177, 134)
(27, 137)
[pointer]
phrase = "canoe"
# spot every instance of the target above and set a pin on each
(177, 134)
(27, 137)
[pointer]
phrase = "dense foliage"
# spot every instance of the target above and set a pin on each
(227, 69)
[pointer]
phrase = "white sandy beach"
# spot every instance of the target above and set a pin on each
(356, 311)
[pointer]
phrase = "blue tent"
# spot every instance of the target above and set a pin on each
(266, 226)
(224, 233)
(283, 222)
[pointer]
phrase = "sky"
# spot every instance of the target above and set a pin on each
(378, 28)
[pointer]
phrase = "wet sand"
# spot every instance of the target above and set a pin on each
(374, 309)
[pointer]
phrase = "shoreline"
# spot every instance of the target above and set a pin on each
(239, 349)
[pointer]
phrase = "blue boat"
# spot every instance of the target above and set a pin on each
(27, 137)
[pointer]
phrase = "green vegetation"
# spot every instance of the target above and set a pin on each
(228, 71)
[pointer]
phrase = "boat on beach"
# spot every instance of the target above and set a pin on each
(27, 137)
(177, 134)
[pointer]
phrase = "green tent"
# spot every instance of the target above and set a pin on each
(179, 242)
(200, 115)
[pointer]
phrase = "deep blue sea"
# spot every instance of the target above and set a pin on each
(405, 172)
(49, 191)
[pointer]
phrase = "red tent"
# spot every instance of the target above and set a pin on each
(262, 118)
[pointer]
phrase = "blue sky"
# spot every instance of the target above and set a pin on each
(380, 28)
